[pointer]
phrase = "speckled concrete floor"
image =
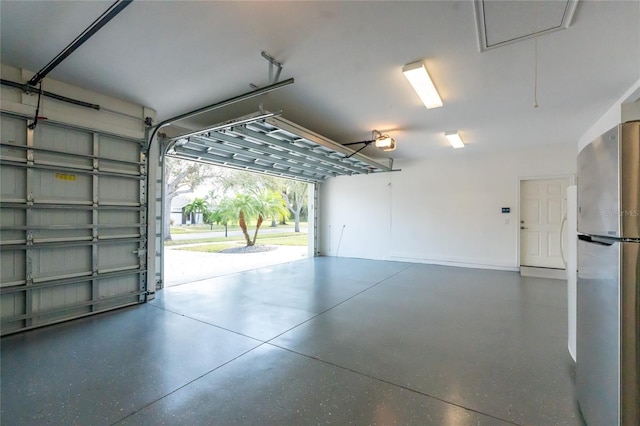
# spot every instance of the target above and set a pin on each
(318, 341)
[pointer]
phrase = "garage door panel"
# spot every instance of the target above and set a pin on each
(272, 145)
(62, 160)
(118, 256)
(118, 217)
(111, 288)
(13, 130)
(62, 224)
(119, 191)
(113, 224)
(120, 232)
(48, 300)
(12, 218)
(116, 167)
(56, 187)
(64, 140)
(113, 148)
(60, 262)
(71, 223)
(12, 267)
(13, 188)
(13, 153)
(12, 305)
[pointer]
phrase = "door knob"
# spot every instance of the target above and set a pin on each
(523, 227)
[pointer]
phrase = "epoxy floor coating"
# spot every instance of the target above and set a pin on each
(317, 341)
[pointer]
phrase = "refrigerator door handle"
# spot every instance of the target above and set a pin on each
(604, 241)
(564, 259)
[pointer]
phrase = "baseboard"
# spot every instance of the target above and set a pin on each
(453, 263)
(555, 274)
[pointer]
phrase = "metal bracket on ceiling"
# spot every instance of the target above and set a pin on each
(273, 78)
(272, 63)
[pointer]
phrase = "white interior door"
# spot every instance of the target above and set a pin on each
(543, 205)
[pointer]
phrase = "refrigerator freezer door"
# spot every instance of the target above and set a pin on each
(608, 341)
(598, 332)
(609, 184)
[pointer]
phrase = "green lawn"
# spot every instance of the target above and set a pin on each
(284, 239)
(291, 240)
(194, 229)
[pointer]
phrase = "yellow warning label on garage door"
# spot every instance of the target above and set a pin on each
(66, 176)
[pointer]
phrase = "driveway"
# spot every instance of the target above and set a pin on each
(181, 266)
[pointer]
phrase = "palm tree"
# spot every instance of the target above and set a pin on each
(217, 216)
(198, 205)
(245, 207)
(271, 204)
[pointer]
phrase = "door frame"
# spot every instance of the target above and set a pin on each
(572, 181)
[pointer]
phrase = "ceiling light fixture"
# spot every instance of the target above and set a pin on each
(419, 78)
(383, 142)
(454, 139)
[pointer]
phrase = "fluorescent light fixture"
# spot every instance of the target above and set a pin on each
(385, 142)
(419, 78)
(454, 139)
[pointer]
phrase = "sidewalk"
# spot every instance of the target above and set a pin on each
(181, 266)
(233, 233)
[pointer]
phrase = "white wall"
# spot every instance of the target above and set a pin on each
(614, 115)
(445, 210)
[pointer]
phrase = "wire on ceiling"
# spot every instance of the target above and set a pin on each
(535, 56)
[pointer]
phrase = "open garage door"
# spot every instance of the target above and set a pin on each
(73, 223)
(268, 144)
(265, 143)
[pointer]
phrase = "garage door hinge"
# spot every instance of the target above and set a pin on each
(140, 252)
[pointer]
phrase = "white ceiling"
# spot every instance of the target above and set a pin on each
(346, 58)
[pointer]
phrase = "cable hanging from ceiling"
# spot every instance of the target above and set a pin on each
(535, 57)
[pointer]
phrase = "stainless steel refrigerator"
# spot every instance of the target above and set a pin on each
(608, 292)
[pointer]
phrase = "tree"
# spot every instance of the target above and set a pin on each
(180, 177)
(295, 198)
(247, 206)
(195, 207)
(216, 216)
(271, 205)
